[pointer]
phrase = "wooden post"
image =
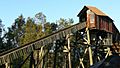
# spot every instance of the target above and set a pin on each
(69, 57)
(82, 63)
(108, 53)
(37, 59)
(89, 49)
(31, 61)
(65, 62)
(81, 59)
(90, 56)
(41, 54)
(55, 54)
(7, 65)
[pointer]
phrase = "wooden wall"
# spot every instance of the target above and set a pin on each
(100, 23)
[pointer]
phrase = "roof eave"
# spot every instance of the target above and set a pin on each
(84, 9)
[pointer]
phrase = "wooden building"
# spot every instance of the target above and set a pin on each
(100, 24)
(95, 19)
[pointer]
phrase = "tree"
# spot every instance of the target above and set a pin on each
(54, 26)
(40, 18)
(17, 29)
(70, 21)
(32, 31)
(9, 37)
(12, 36)
(2, 47)
(27, 37)
(40, 33)
(22, 32)
(1, 27)
(47, 28)
(62, 23)
(35, 28)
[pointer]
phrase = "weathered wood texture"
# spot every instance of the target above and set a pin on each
(9, 55)
(96, 19)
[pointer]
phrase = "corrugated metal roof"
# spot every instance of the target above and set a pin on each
(96, 10)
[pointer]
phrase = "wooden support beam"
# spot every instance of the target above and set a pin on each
(66, 49)
(81, 59)
(7, 65)
(41, 58)
(55, 54)
(32, 61)
(98, 58)
(41, 54)
(82, 63)
(90, 56)
(69, 55)
(108, 52)
(89, 49)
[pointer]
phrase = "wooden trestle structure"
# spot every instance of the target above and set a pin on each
(80, 45)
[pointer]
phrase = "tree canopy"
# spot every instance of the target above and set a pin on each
(25, 30)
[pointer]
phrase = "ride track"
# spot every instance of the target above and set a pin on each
(10, 55)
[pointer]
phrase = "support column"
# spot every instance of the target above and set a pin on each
(55, 54)
(69, 55)
(90, 56)
(89, 49)
(41, 55)
(32, 61)
(108, 53)
(7, 65)
(81, 59)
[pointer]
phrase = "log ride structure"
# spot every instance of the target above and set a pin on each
(86, 44)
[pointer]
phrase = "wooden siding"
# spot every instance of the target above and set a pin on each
(110, 27)
(97, 22)
(91, 20)
(103, 24)
(100, 23)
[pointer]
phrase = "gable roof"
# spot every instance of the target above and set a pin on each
(93, 9)
(96, 11)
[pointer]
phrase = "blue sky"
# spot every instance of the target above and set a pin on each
(55, 9)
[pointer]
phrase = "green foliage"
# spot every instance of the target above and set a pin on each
(47, 28)
(9, 36)
(54, 26)
(32, 31)
(2, 46)
(15, 32)
(22, 32)
(0, 27)
(25, 31)
(18, 29)
(33, 28)
(62, 23)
